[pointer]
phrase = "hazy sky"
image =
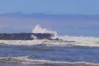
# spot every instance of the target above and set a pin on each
(90, 7)
(67, 17)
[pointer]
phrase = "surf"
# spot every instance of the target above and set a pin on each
(62, 40)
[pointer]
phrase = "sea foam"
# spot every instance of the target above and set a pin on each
(66, 40)
(30, 60)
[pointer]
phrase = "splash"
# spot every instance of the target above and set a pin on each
(66, 40)
(39, 29)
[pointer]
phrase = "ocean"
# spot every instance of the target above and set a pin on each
(42, 55)
(69, 51)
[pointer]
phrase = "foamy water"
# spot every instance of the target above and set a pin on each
(67, 40)
(48, 55)
(70, 51)
(28, 60)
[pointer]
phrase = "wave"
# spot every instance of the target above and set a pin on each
(31, 60)
(66, 40)
(39, 29)
(82, 41)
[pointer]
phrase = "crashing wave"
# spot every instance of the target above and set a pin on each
(31, 60)
(82, 41)
(78, 40)
(64, 40)
(39, 29)
(17, 60)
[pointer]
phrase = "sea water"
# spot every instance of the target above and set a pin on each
(71, 51)
(42, 55)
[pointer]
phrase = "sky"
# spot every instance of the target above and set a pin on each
(88, 7)
(67, 17)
